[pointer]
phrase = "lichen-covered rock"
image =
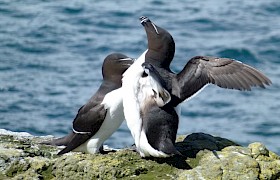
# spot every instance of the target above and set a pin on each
(269, 162)
(231, 163)
(206, 157)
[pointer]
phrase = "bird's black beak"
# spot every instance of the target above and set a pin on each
(147, 65)
(146, 22)
(128, 61)
(144, 19)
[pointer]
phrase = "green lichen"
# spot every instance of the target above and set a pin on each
(194, 162)
(121, 164)
(203, 156)
(46, 172)
(268, 161)
(16, 167)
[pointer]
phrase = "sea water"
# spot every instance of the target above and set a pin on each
(51, 53)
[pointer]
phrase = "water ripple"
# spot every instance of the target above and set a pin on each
(243, 55)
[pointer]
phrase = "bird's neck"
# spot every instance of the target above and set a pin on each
(158, 59)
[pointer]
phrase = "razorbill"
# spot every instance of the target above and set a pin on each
(197, 73)
(146, 97)
(102, 115)
(199, 70)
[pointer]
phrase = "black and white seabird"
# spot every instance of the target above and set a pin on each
(199, 70)
(197, 73)
(102, 115)
(153, 125)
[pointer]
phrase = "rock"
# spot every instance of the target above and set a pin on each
(269, 162)
(195, 142)
(206, 157)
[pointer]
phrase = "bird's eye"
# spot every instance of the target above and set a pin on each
(144, 74)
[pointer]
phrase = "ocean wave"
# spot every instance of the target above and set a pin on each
(244, 55)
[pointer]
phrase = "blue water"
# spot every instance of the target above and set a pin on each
(51, 54)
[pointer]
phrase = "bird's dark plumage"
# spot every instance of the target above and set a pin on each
(223, 72)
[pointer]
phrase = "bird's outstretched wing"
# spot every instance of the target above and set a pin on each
(223, 72)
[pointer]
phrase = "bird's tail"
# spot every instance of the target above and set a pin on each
(63, 141)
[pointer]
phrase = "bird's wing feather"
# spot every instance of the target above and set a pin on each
(90, 120)
(223, 72)
(87, 122)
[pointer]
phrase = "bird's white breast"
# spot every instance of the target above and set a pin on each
(130, 86)
(114, 118)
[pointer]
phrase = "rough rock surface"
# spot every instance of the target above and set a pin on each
(206, 157)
